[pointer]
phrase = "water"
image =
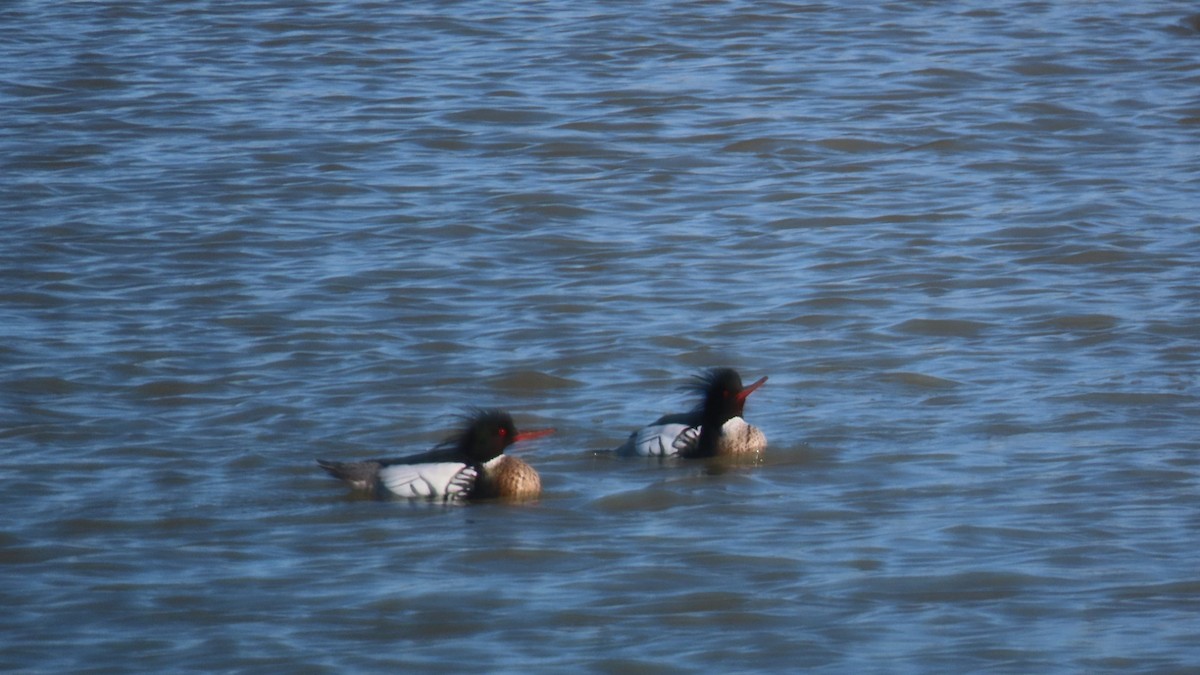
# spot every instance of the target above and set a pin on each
(959, 238)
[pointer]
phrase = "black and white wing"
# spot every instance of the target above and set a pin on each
(660, 440)
(437, 481)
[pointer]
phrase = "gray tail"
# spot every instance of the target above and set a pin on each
(360, 475)
(332, 468)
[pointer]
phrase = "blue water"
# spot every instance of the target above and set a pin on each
(960, 240)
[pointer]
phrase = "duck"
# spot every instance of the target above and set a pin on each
(714, 428)
(469, 466)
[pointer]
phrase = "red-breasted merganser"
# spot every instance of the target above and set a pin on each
(713, 428)
(470, 465)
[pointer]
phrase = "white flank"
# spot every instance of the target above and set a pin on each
(447, 481)
(664, 440)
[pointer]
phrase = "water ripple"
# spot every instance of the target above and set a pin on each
(960, 241)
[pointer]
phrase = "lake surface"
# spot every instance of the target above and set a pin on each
(960, 238)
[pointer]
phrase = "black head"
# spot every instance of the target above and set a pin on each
(488, 432)
(724, 395)
(486, 435)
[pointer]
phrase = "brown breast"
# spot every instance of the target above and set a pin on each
(740, 438)
(508, 478)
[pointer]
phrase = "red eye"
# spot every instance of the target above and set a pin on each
(503, 432)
